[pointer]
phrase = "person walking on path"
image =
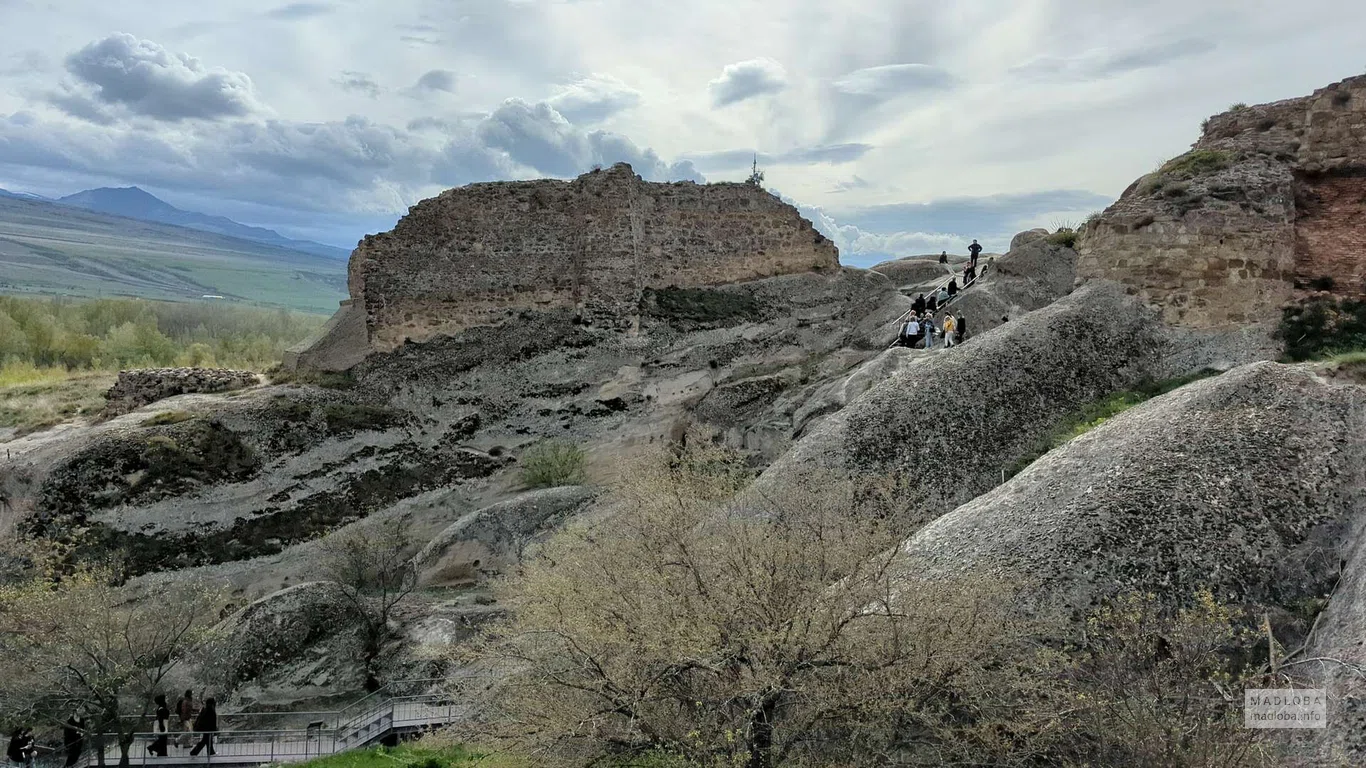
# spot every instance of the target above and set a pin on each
(949, 327)
(975, 250)
(960, 328)
(73, 738)
(184, 710)
(969, 274)
(953, 287)
(928, 328)
(161, 726)
(206, 723)
(919, 304)
(932, 303)
(943, 297)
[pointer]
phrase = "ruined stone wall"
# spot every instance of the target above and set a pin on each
(1331, 234)
(478, 254)
(1271, 198)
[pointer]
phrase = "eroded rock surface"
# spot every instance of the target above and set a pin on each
(951, 424)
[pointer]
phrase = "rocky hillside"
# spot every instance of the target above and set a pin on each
(1247, 481)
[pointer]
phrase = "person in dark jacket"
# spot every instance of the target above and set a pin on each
(975, 250)
(207, 724)
(961, 323)
(73, 738)
(944, 257)
(953, 287)
(22, 748)
(161, 726)
(919, 304)
(932, 303)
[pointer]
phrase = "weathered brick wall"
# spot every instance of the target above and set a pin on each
(1331, 233)
(1227, 247)
(477, 254)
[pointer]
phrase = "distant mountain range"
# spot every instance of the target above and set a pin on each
(135, 203)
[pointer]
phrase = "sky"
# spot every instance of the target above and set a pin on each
(898, 127)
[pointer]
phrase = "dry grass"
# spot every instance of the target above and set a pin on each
(32, 399)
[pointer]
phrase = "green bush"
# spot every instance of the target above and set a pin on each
(1323, 326)
(109, 334)
(551, 464)
(1064, 237)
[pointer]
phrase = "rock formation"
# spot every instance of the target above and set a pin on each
(143, 386)
(478, 254)
(950, 423)
(1269, 201)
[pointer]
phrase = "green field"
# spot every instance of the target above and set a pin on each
(55, 250)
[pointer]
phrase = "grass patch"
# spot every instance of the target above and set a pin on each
(552, 464)
(1197, 163)
(325, 379)
(1093, 414)
(167, 417)
(415, 756)
(36, 402)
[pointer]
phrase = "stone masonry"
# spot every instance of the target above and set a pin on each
(142, 386)
(1268, 203)
(479, 254)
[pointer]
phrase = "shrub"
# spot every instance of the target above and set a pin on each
(1321, 326)
(551, 464)
(1064, 237)
(1237, 107)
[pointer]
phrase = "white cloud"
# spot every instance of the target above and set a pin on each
(867, 112)
(594, 98)
(747, 79)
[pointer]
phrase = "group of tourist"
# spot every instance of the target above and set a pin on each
(923, 327)
(23, 747)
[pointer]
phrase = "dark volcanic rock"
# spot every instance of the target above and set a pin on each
(137, 388)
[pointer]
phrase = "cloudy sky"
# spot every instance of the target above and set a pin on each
(899, 126)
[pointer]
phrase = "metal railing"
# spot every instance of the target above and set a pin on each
(901, 320)
(357, 725)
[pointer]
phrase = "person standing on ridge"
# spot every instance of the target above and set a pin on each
(975, 250)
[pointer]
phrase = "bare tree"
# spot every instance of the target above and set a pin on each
(78, 640)
(375, 571)
(744, 633)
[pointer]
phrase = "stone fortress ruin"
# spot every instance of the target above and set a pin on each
(1270, 202)
(479, 254)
